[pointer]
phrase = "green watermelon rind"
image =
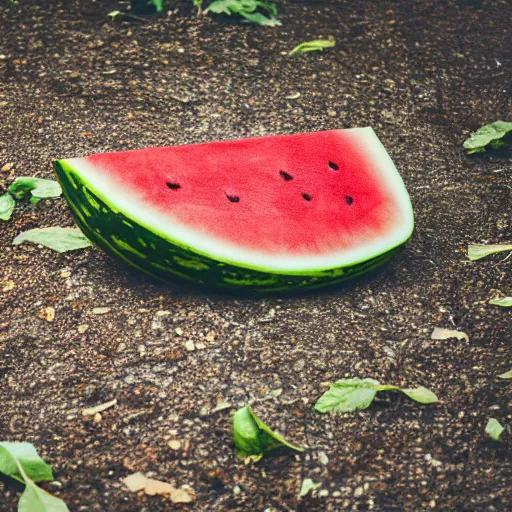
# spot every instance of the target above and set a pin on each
(116, 234)
(108, 224)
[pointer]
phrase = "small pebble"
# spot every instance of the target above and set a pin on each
(174, 444)
(101, 311)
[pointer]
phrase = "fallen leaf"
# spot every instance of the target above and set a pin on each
(506, 375)
(135, 482)
(154, 487)
(38, 188)
(22, 462)
(7, 205)
(445, 334)
(139, 482)
(312, 46)
(477, 251)
(491, 136)
(494, 429)
(307, 486)
(504, 302)
(91, 411)
(58, 239)
(185, 494)
(253, 438)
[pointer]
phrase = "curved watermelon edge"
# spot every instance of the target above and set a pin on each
(115, 233)
(219, 251)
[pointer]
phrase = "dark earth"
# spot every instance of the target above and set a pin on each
(424, 74)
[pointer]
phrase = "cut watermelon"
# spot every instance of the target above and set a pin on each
(272, 213)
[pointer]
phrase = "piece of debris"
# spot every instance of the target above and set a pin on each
(47, 314)
(445, 334)
(139, 482)
(307, 486)
(91, 411)
(101, 311)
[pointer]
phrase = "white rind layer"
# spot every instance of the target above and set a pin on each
(129, 204)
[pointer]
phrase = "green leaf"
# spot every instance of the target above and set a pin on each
(247, 9)
(14, 454)
(490, 136)
(494, 429)
(35, 499)
(254, 438)
(22, 462)
(478, 251)
(36, 187)
(159, 4)
(348, 395)
(421, 395)
(506, 375)
(313, 46)
(7, 205)
(58, 239)
(307, 486)
(504, 302)
(114, 14)
(260, 19)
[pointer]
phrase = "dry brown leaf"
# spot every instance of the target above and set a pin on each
(138, 482)
(444, 334)
(135, 482)
(158, 487)
(185, 494)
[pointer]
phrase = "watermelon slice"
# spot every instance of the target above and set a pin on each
(272, 213)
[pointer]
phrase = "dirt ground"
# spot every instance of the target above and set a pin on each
(424, 74)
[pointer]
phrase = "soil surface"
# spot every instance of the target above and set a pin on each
(424, 74)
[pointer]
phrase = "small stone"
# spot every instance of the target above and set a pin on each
(82, 328)
(47, 314)
(174, 444)
(9, 286)
(7, 167)
(299, 365)
(101, 311)
(121, 347)
(358, 492)
(323, 459)
(323, 493)
(236, 490)
(178, 331)
(97, 418)
(190, 346)
(332, 113)
(65, 273)
(200, 346)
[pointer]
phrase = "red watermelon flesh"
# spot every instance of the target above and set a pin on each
(285, 204)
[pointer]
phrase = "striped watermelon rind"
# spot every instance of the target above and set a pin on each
(111, 230)
(114, 219)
